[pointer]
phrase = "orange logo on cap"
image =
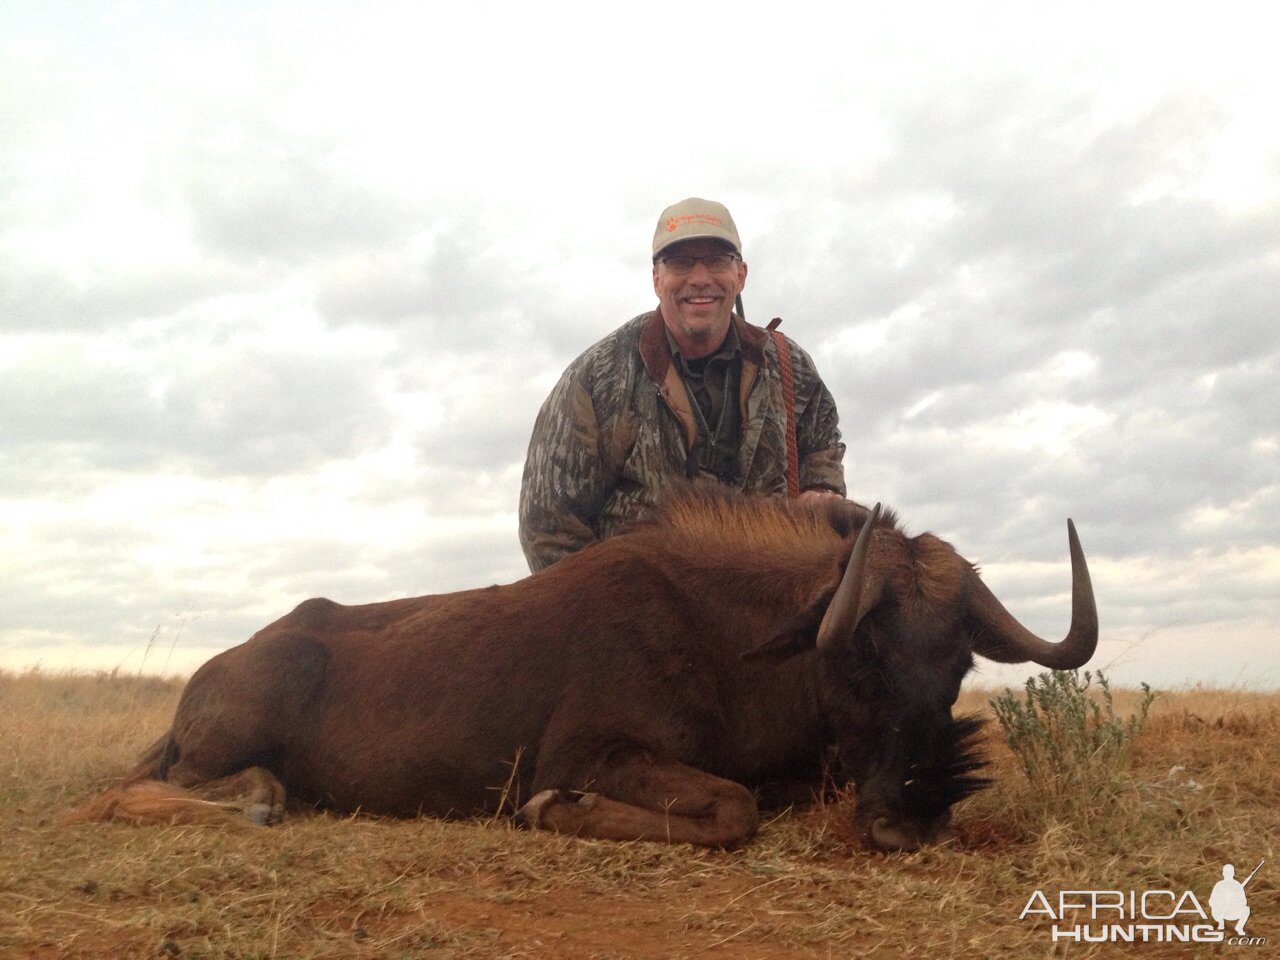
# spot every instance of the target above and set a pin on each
(674, 223)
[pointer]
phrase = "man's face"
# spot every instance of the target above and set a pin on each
(696, 304)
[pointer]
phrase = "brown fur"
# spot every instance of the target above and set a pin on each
(925, 572)
(709, 528)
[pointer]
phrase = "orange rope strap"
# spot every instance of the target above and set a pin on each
(789, 398)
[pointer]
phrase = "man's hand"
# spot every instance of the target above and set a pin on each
(815, 496)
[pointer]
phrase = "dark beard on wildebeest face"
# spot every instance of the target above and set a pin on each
(930, 789)
(909, 772)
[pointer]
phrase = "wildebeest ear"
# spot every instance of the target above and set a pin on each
(798, 634)
(845, 516)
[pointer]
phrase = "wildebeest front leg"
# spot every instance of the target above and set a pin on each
(645, 799)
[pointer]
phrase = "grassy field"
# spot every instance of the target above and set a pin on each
(1199, 788)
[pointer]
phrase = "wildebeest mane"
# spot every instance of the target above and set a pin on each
(722, 527)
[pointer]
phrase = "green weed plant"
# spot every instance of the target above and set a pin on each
(1069, 742)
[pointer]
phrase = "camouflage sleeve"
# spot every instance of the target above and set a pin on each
(565, 480)
(817, 429)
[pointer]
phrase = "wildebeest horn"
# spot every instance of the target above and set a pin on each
(1004, 639)
(847, 607)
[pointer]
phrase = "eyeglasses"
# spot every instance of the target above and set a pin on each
(715, 263)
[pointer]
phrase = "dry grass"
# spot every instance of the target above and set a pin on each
(1200, 789)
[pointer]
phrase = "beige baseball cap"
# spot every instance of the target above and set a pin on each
(695, 219)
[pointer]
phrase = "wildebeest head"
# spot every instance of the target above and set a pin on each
(895, 633)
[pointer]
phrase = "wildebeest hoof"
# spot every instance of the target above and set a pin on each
(261, 814)
(530, 815)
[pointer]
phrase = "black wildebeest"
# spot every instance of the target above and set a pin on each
(633, 690)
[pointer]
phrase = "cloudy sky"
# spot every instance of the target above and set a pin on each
(282, 287)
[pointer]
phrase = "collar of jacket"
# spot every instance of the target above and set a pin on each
(655, 353)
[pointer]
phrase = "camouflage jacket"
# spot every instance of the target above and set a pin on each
(618, 427)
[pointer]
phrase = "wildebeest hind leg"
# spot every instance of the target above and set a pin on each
(254, 790)
(641, 798)
(186, 799)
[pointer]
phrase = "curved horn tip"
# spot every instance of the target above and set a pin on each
(1073, 540)
(1010, 642)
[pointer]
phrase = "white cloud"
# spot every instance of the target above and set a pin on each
(281, 291)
